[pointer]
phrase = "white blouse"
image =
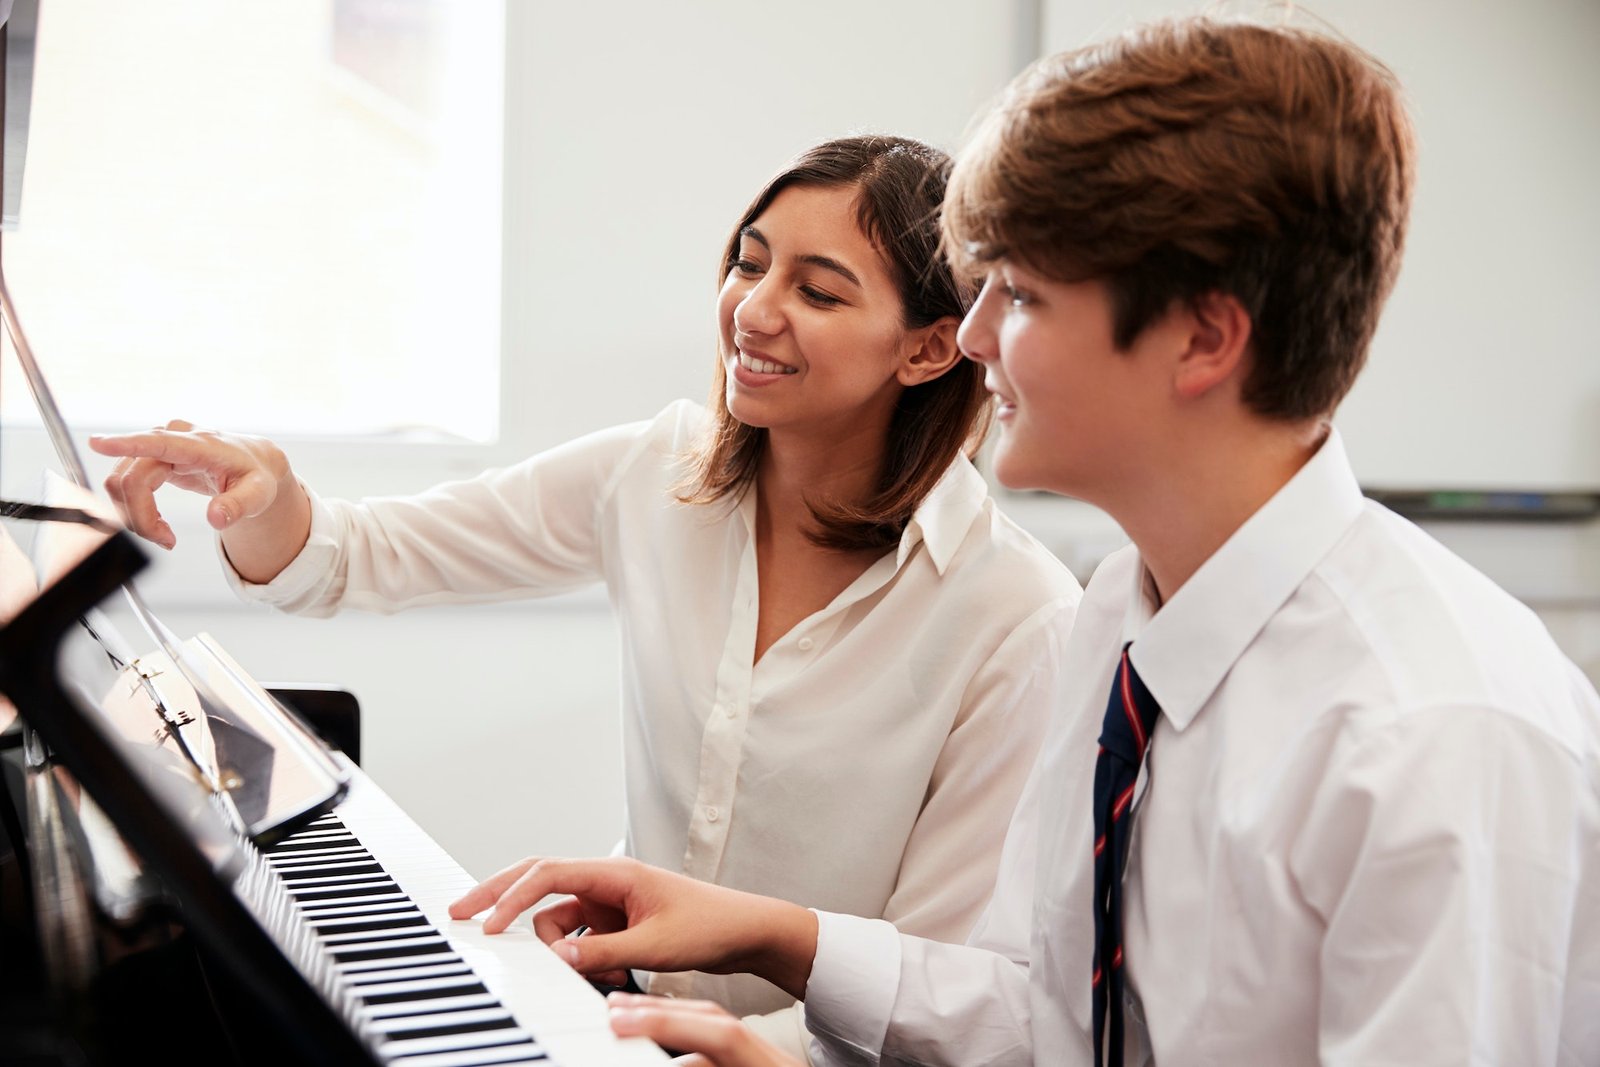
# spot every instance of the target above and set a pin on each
(867, 764)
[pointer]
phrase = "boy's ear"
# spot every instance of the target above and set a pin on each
(1218, 342)
(931, 350)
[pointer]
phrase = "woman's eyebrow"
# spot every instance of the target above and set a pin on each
(834, 265)
(825, 262)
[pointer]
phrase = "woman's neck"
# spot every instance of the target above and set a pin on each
(794, 472)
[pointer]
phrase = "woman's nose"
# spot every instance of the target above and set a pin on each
(758, 311)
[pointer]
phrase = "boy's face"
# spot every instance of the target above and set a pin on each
(1076, 416)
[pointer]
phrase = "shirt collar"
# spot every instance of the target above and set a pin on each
(945, 515)
(1185, 648)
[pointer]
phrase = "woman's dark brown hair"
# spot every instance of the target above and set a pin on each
(901, 184)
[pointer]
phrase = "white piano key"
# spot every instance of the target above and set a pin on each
(364, 980)
(317, 858)
(403, 918)
(474, 1057)
(453, 1043)
(417, 985)
(361, 912)
(332, 882)
(312, 908)
(352, 969)
(365, 943)
(351, 868)
(434, 1005)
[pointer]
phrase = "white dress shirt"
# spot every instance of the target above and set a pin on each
(1368, 831)
(867, 764)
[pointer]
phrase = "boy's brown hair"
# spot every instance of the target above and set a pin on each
(1198, 155)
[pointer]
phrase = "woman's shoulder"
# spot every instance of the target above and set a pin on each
(652, 450)
(1016, 560)
(995, 549)
(669, 431)
(666, 433)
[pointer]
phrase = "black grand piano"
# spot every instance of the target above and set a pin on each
(193, 868)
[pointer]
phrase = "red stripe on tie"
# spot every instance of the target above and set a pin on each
(1099, 845)
(1128, 708)
(1096, 978)
(1116, 959)
(1122, 803)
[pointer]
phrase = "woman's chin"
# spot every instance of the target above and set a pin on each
(743, 410)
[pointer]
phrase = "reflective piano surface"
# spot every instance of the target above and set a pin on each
(331, 944)
(374, 887)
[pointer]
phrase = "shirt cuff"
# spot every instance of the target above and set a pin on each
(855, 978)
(302, 573)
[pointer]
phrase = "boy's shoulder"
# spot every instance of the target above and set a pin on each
(1415, 628)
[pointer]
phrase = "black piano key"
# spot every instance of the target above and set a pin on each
(482, 1057)
(358, 867)
(402, 923)
(389, 953)
(411, 1028)
(336, 893)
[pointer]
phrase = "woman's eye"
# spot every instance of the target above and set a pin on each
(817, 296)
(747, 267)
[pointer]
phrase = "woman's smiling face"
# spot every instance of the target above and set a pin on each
(811, 320)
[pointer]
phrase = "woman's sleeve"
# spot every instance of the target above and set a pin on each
(532, 529)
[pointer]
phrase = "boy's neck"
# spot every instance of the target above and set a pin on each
(1202, 495)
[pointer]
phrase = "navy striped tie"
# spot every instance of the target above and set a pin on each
(1131, 714)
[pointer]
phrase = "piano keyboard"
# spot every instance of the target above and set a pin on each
(431, 991)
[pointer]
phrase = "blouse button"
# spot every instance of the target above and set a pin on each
(806, 644)
(712, 815)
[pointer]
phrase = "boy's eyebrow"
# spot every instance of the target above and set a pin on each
(825, 262)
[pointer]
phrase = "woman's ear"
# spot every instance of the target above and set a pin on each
(930, 351)
(1217, 344)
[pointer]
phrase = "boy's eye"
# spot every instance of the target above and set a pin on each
(1014, 296)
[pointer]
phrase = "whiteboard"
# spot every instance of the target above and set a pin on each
(1485, 372)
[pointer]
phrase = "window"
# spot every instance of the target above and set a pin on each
(281, 218)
